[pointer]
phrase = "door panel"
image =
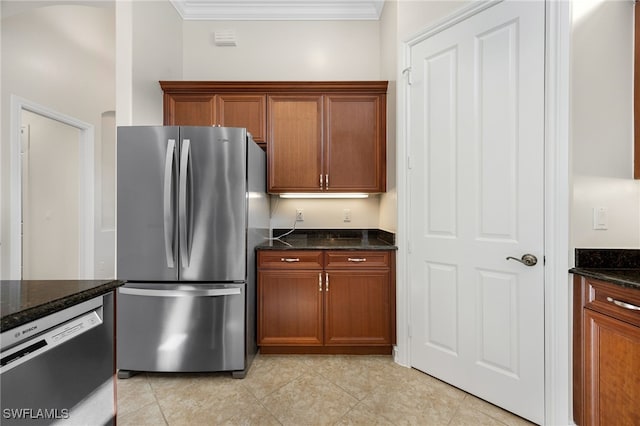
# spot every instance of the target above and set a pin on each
(142, 228)
(290, 308)
(476, 195)
(190, 110)
(441, 307)
(216, 212)
(51, 201)
(247, 111)
(357, 308)
(354, 153)
(295, 143)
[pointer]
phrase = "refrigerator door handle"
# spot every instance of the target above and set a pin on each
(180, 293)
(182, 202)
(167, 203)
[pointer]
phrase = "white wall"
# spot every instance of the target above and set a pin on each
(326, 214)
(283, 50)
(389, 69)
(622, 199)
(157, 55)
(602, 124)
(61, 57)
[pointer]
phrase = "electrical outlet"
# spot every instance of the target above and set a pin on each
(346, 215)
(299, 215)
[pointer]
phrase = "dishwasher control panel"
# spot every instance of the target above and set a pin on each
(48, 340)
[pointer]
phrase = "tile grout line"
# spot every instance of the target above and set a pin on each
(155, 397)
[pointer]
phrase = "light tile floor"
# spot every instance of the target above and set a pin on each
(304, 390)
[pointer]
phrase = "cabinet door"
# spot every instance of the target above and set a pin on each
(295, 143)
(357, 307)
(354, 143)
(612, 371)
(289, 308)
(189, 110)
(249, 111)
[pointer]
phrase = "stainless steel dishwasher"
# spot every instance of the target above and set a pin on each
(60, 368)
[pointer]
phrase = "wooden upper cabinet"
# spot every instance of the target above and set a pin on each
(205, 104)
(354, 154)
(294, 153)
(321, 136)
(189, 110)
(327, 143)
(239, 110)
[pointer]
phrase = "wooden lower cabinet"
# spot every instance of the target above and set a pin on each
(606, 379)
(349, 308)
(290, 308)
(357, 308)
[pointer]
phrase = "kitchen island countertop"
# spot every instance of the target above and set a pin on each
(22, 301)
(617, 266)
(343, 239)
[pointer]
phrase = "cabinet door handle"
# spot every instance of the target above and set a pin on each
(623, 304)
(326, 277)
(326, 180)
(356, 259)
(289, 259)
(321, 182)
(320, 281)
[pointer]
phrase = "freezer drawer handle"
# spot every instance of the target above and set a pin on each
(168, 205)
(180, 293)
(289, 259)
(182, 202)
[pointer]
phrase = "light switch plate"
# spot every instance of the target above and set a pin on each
(600, 218)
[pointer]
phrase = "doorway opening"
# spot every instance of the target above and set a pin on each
(52, 200)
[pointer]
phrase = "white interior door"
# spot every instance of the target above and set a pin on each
(476, 143)
(50, 198)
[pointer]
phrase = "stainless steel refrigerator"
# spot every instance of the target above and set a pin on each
(192, 206)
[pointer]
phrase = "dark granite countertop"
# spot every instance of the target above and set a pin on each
(617, 266)
(322, 239)
(22, 301)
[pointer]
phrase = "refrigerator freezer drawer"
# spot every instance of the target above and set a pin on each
(181, 327)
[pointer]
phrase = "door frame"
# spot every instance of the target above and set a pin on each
(85, 191)
(557, 288)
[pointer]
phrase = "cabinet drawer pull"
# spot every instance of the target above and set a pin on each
(623, 304)
(289, 259)
(356, 259)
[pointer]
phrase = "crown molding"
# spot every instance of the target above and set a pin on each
(283, 10)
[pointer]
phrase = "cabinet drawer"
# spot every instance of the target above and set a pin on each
(357, 259)
(610, 299)
(289, 259)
